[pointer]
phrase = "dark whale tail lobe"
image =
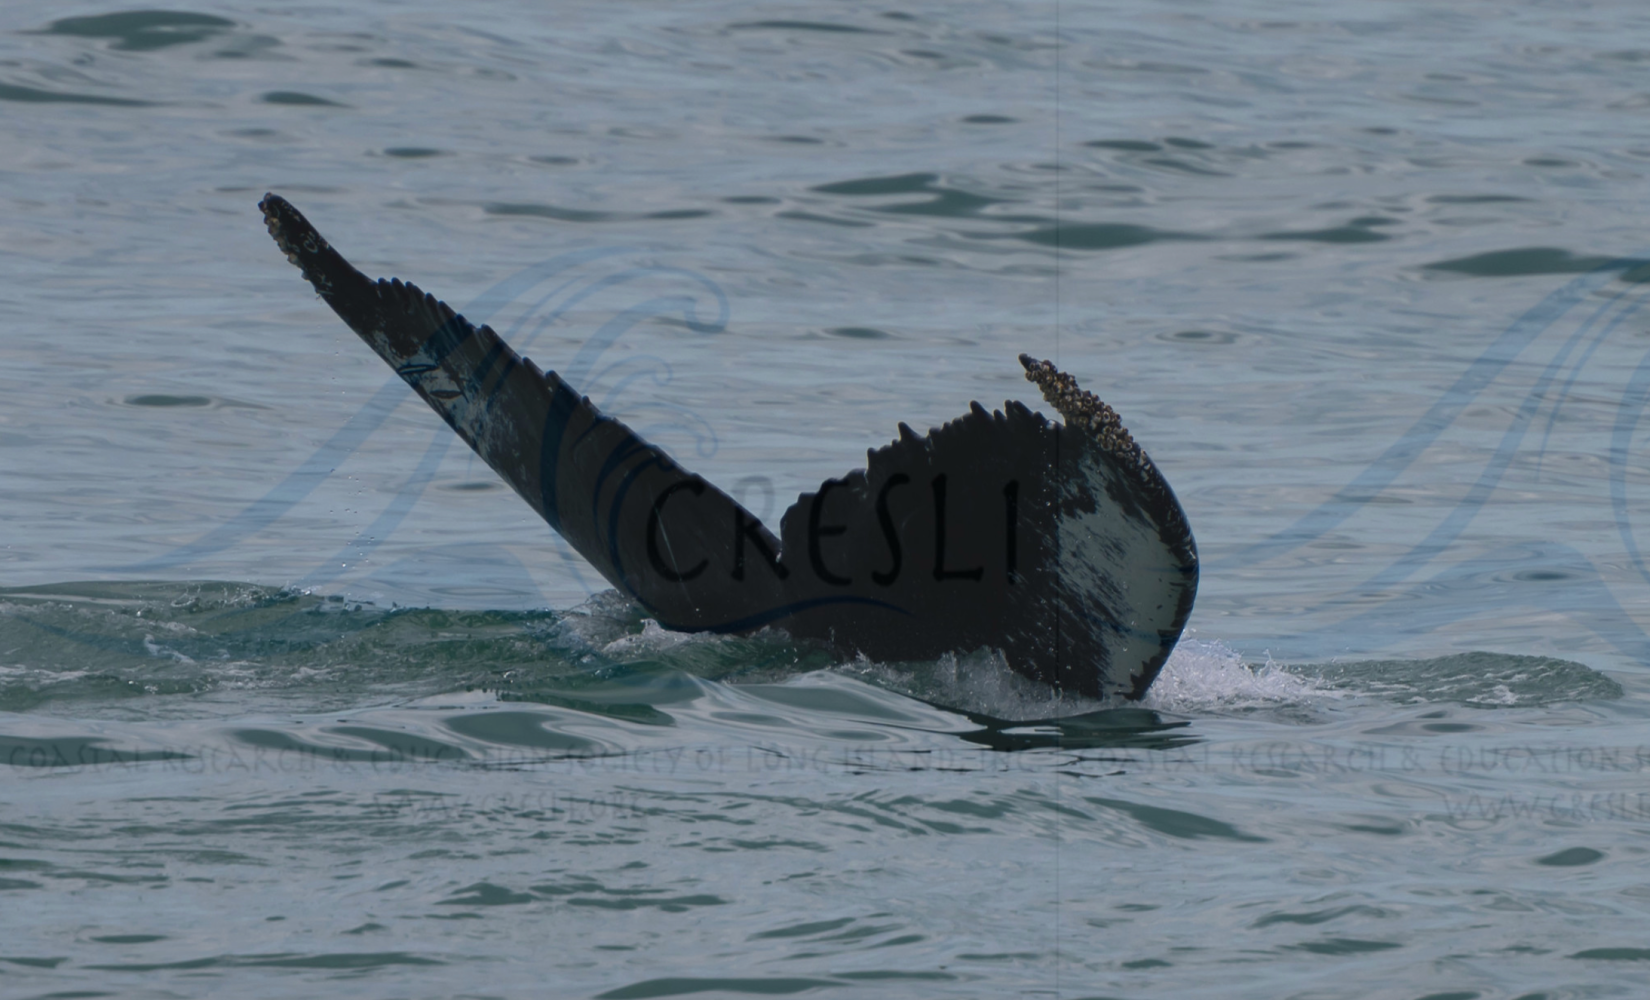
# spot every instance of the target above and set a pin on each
(1058, 544)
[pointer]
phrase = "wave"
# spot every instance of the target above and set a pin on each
(199, 648)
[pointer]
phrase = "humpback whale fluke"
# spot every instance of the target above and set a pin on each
(1060, 545)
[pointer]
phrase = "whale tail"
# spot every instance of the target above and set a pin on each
(1058, 544)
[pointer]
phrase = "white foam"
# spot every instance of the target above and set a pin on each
(37, 677)
(1210, 676)
(1199, 678)
(156, 649)
(979, 682)
(653, 638)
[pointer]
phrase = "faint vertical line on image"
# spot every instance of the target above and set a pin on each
(1059, 810)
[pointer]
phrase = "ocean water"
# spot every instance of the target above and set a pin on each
(296, 699)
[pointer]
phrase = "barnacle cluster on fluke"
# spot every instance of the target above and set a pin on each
(1059, 545)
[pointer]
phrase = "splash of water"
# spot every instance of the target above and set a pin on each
(1203, 677)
